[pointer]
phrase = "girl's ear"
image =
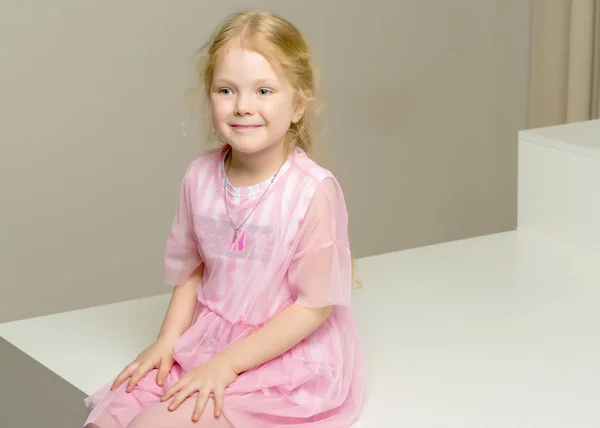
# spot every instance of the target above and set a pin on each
(300, 108)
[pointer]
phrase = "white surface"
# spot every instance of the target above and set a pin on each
(496, 331)
(558, 190)
(581, 137)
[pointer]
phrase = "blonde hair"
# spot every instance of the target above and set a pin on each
(288, 52)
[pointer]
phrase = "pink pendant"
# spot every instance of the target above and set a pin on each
(237, 243)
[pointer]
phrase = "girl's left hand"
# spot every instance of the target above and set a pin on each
(213, 376)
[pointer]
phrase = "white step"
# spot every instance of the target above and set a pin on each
(499, 331)
(559, 182)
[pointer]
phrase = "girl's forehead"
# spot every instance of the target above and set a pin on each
(236, 63)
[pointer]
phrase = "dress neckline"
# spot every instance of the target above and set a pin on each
(241, 195)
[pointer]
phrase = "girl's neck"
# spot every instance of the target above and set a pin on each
(248, 169)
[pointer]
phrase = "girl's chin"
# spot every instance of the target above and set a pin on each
(249, 147)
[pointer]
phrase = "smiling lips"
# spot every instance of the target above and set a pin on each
(245, 127)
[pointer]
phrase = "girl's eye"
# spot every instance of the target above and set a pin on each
(264, 91)
(224, 91)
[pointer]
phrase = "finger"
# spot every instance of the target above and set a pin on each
(200, 404)
(218, 393)
(127, 372)
(173, 390)
(180, 397)
(163, 370)
(142, 371)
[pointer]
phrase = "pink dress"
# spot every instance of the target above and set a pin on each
(292, 250)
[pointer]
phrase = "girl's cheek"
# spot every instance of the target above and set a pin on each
(274, 110)
(220, 111)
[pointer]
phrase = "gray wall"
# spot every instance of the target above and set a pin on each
(424, 99)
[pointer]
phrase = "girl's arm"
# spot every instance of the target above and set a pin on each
(177, 319)
(281, 333)
(181, 309)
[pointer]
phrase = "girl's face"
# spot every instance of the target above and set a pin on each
(252, 106)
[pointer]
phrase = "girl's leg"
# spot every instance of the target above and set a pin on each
(159, 416)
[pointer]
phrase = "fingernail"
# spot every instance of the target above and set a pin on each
(195, 417)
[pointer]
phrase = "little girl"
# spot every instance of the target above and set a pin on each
(259, 331)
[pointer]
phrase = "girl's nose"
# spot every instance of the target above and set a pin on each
(244, 105)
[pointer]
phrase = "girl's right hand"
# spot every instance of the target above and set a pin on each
(157, 356)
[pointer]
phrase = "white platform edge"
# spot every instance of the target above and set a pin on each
(534, 136)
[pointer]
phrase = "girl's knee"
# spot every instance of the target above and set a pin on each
(154, 416)
(159, 416)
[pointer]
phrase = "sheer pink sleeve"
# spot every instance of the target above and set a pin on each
(181, 253)
(320, 272)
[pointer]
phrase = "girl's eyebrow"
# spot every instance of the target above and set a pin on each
(257, 82)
